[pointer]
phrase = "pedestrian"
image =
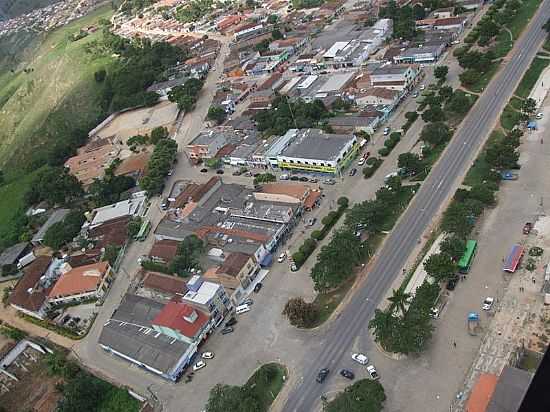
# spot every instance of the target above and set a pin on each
(534, 281)
(454, 344)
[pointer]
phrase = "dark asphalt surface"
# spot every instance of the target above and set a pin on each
(440, 185)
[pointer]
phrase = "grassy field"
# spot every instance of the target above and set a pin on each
(484, 80)
(59, 78)
(266, 383)
(531, 76)
(481, 169)
(509, 117)
(526, 11)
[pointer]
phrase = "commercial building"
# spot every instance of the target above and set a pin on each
(394, 77)
(162, 339)
(135, 206)
(208, 297)
(313, 150)
(426, 54)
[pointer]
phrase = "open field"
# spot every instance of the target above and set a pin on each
(56, 89)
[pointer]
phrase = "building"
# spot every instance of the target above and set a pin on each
(165, 87)
(133, 335)
(31, 292)
(209, 297)
(394, 77)
(357, 122)
(16, 256)
(81, 283)
(425, 54)
(450, 23)
(170, 285)
(313, 150)
(374, 96)
(135, 206)
(481, 393)
(134, 166)
(57, 216)
(236, 273)
(246, 30)
(164, 251)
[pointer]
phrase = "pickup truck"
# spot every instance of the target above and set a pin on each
(527, 227)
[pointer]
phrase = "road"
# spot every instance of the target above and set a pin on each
(430, 199)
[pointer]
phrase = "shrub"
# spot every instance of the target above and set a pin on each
(316, 235)
(384, 151)
(372, 160)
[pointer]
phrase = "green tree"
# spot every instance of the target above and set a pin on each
(502, 155)
(440, 267)
(157, 134)
(433, 114)
(446, 92)
(227, 398)
(529, 106)
(264, 178)
(398, 300)
(411, 162)
(276, 34)
(440, 73)
(483, 193)
(216, 113)
(340, 105)
(364, 395)
(435, 133)
(65, 231)
(300, 313)
(459, 103)
(385, 327)
(469, 77)
(55, 186)
(134, 225)
(453, 246)
(187, 256)
(111, 253)
(343, 202)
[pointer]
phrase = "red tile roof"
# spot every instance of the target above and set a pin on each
(20, 296)
(164, 249)
(234, 263)
(165, 283)
(79, 280)
(173, 316)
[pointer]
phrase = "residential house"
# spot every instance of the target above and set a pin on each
(134, 166)
(135, 206)
(81, 283)
(366, 122)
(443, 13)
(164, 251)
(394, 77)
(183, 322)
(165, 87)
(450, 23)
(377, 96)
(291, 45)
(246, 30)
(209, 297)
(206, 144)
(16, 256)
(167, 284)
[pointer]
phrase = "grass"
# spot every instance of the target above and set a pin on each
(546, 45)
(481, 169)
(484, 80)
(407, 193)
(510, 117)
(516, 103)
(503, 44)
(531, 76)
(266, 383)
(328, 302)
(526, 11)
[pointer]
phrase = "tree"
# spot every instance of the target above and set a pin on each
(398, 300)
(111, 253)
(213, 163)
(440, 267)
(469, 77)
(134, 225)
(216, 113)
(411, 116)
(187, 256)
(529, 106)
(272, 19)
(433, 114)
(343, 202)
(65, 231)
(484, 193)
(435, 133)
(157, 134)
(340, 105)
(502, 155)
(546, 26)
(440, 73)
(410, 162)
(55, 186)
(385, 327)
(364, 395)
(300, 313)
(100, 75)
(264, 178)
(453, 246)
(276, 34)
(459, 103)
(446, 92)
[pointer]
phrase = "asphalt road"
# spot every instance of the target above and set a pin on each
(429, 200)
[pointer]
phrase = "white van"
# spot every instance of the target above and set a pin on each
(284, 177)
(242, 309)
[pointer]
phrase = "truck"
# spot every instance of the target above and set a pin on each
(473, 323)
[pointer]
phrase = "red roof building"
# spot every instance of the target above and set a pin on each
(182, 321)
(164, 251)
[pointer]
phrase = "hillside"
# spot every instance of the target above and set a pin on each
(14, 8)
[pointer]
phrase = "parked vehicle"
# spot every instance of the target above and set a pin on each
(165, 203)
(372, 372)
(227, 330)
(219, 171)
(311, 221)
(258, 287)
(353, 172)
(346, 373)
(387, 131)
(330, 181)
(366, 155)
(242, 309)
(284, 177)
(281, 257)
(207, 355)
(293, 267)
(473, 323)
(199, 365)
(509, 175)
(360, 358)
(488, 303)
(204, 170)
(322, 375)
(361, 161)
(231, 322)
(295, 178)
(313, 180)
(248, 302)
(527, 227)
(539, 115)
(304, 179)
(451, 283)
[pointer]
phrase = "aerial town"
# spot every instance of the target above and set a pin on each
(286, 206)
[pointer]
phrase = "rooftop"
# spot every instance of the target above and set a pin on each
(129, 207)
(57, 216)
(165, 283)
(27, 293)
(200, 292)
(390, 69)
(234, 263)
(164, 249)
(79, 280)
(481, 393)
(316, 145)
(511, 388)
(11, 254)
(181, 317)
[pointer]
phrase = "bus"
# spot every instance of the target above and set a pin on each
(467, 258)
(511, 262)
(143, 231)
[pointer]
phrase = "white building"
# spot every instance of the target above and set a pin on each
(394, 77)
(135, 206)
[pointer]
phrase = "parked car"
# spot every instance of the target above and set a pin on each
(488, 303)
(346, 373)
(361, 161)
(227, 330)
(311, 221)
(527, 227)
(204, 170)
(366, 155)
(304, 179)
(258, 287)
(451, 283)
(295, 178)
(237, 173)
(539, 116)
(231, 322)
(239, 310)
(219, 171)
(415, 95)
(293, 267)
(330, 181)
(387, 131)
(164, 204)
(353, 172)
(281, 257)
(372, 372)
(207, 355)
(360, 358)
(322, 375)
(199, 365)
(434, 313)
(313, 180)
(248, 301)
(284, 177)
(422, 87)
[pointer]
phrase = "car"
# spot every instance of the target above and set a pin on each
(293, 267)
(204, 170)
(422, 87)
(165, 203)
(227, 329)
(353, 172)
(242, 308)
(207, 355)
(219, 172)
(387, 131)
(170, 172)
(372, 372)
(456, 42)
(311, 221)
(527, 227)
(366, 155)
(248, 302)
(488, 303)
(258, 287)
(313, 180)
(361, 161)
(415, 95)
(322, 375)
(199, 365)
(284, 177)
(360, 358)
(231, 322)
(281, 257)
(346, 373)
(451, 283)
(237, 173)
(294, 178)
(330, 181)
(539, 115)
(434, 313)
(304, 179)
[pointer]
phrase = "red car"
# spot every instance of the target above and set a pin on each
(527, 228)
(366, 155)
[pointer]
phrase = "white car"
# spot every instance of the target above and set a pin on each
(488, 303)
(282, 257)
(207, 355)
(539, 115)
(422, 87)
(372, 372)
(199, 365)
(361, 162)
(360, 358)
(386, 131)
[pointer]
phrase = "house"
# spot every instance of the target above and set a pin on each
(227, 22)
(443, 13)
(162, 339)
(295, 193)
(164, 251)
(449, 23)
(247, 29)
(358, 122)
(470, 4)
(16, 257)
(206, 144)
(165, 87)
(81, 283)
(394, 77)
(135, 206)
(134, 166)
(209, 297)
(57, 216)
(291, 44)
(236, 273)
(377, 95)
(112, 232)
(167, 284)
(425, 54)
(31, 292)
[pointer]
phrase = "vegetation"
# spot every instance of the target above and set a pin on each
(63, 232)
(306, 4)
(404, 26)
(216, 114)
(194, 10)
(159, 166)
(300, 313)
(186, 95)
(187, 256)
(265, 178)
(531, 76)
(364, 395)
(373, 163)
(256, 395)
